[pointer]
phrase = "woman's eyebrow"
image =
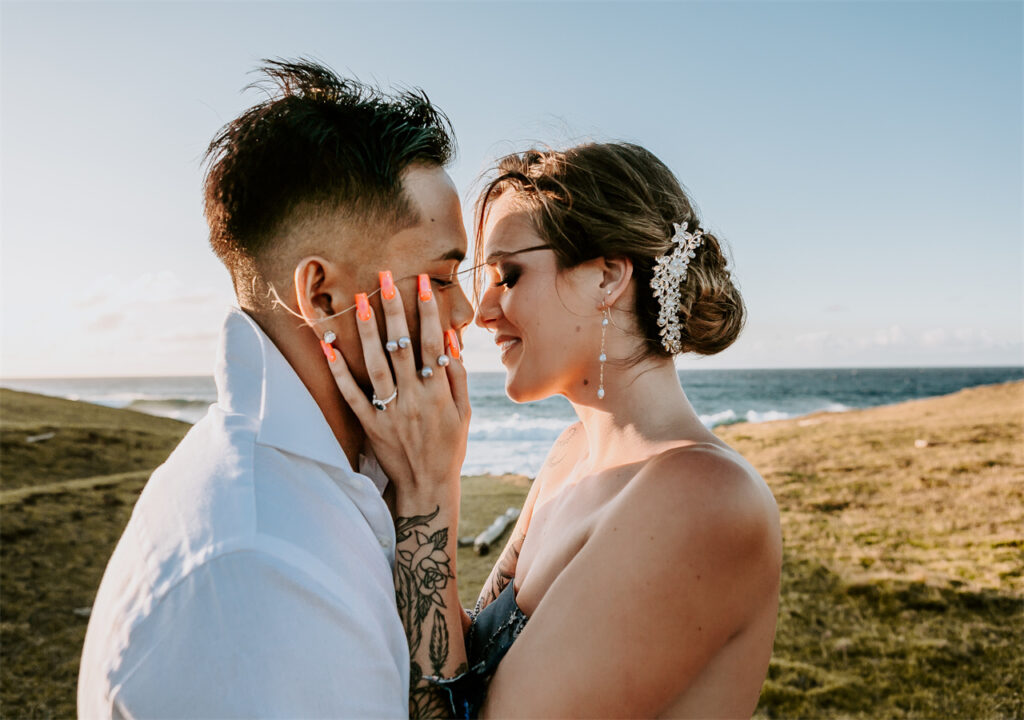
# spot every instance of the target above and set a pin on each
(499, 254)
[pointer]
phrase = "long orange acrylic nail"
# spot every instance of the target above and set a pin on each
(328, 351)
(362, 307)
(453, 344)
(387, 285)
(426, 294)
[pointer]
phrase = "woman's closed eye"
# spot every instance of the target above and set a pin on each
(509, 278)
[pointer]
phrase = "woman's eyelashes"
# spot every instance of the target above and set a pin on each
(508, 277)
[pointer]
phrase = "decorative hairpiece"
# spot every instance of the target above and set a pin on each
(669, 273)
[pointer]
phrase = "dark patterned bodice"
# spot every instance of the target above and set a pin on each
(490, 636)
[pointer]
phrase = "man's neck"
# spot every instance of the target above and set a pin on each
(302, 351)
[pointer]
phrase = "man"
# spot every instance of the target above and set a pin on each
(255, 575)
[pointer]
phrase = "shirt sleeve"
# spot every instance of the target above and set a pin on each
(248, 634)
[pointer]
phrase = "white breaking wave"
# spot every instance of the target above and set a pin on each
(725, 417)
(730, 416)
(753, 416)
(515, 427)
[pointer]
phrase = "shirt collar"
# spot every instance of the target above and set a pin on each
(254, 379)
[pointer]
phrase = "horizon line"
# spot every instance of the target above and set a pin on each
(4, 378)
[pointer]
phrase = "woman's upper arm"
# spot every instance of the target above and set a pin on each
(659, 587)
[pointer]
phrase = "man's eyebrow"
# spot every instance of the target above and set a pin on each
(453, 254)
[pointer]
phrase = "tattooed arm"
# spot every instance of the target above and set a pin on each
(428, 604)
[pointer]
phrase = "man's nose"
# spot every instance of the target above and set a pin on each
(462, 309)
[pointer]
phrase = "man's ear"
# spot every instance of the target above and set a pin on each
(616, 274)
(315, 290)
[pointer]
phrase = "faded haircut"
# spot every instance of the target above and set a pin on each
(318, 141)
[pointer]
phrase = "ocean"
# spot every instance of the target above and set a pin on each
(508, 438)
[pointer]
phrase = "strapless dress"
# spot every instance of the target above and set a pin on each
(490, 636)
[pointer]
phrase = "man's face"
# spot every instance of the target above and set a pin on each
(435, 246)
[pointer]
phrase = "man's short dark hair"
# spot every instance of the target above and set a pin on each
(318, 140)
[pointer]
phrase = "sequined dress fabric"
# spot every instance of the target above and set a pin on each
(490, 636)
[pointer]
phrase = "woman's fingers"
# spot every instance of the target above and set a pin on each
(349, 389)
(373, 349)
(457, 375)
(431, 335)
(398, 344)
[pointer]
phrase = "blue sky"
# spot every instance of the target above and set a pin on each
(862, 160)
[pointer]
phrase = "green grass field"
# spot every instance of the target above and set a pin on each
(903, 582)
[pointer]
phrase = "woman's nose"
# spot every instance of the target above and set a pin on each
(487, 310)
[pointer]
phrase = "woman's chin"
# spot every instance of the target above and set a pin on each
(513, 391)
(520, 390)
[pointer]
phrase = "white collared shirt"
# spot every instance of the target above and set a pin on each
(254, 578)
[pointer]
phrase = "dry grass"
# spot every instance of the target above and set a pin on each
(88, 440)
(858, 495)
(902, 587)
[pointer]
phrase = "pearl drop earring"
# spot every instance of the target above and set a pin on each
(605, 319)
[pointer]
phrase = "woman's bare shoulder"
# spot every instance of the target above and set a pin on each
(706, 496)
(694, 470)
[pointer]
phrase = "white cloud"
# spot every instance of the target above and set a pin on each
(934, 337)
(895, 345)
(106, 322)
(890, 336)
(150, 323)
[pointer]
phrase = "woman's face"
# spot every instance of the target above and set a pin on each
(545, 322)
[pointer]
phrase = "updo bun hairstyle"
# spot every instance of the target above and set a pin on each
(617, 200)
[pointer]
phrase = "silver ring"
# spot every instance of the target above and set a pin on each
(404, 342)
(382, 405)
(442, 360)
(390, 346)
(330, 337)
(426, 372)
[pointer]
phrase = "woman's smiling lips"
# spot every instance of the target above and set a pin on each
(506, 343)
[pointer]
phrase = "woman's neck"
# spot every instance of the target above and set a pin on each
(644, 407)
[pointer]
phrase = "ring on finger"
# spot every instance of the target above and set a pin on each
(391, 346)
(426, 372)
(443, 360)
(404, 342)
(382, 405)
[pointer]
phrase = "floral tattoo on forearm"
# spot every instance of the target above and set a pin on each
(422, 573)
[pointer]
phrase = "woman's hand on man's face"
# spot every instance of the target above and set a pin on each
(419, 437)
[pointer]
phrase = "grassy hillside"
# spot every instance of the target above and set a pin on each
(86, 439)
(902, 586)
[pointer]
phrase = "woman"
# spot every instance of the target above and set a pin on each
(642, 577)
